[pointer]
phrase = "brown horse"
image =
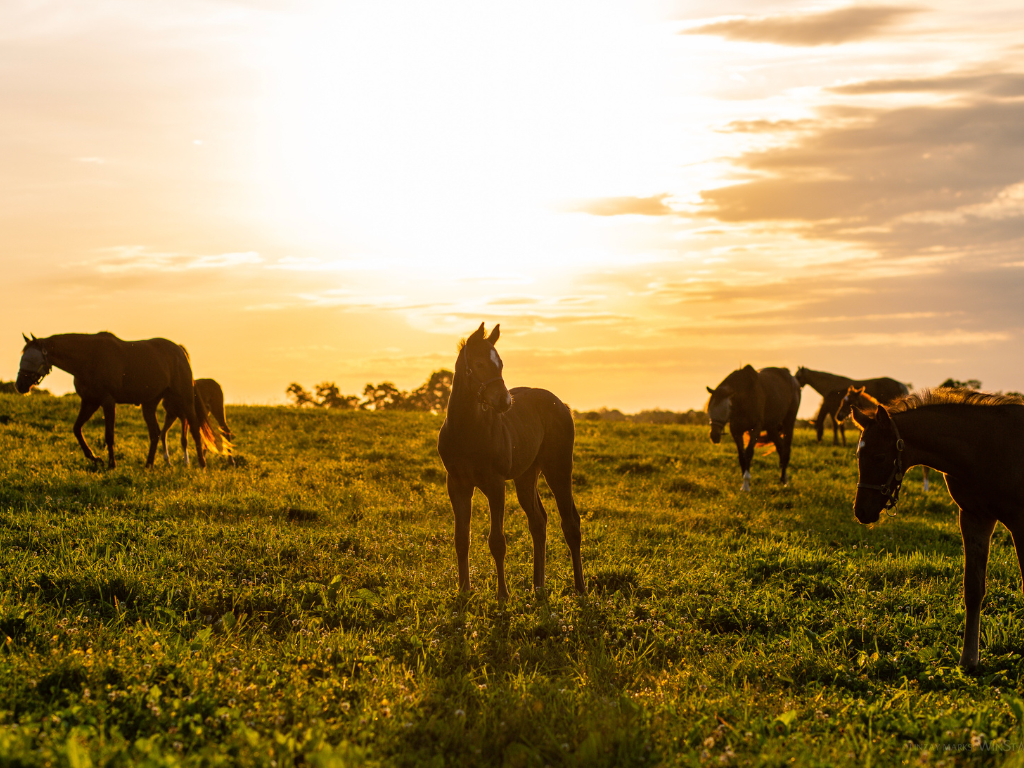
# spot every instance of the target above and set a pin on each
(752, 402)
(491, 435)
(108, 371)
(833, 387)
(974, 439)
(213, 397)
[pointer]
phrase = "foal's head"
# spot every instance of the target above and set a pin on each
(34, 365)
(801, 376)
(879, 464)
(483, 367)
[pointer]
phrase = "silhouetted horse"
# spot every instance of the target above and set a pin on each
(833, 387)
(213, 397)
(491, 435)
(752, 402)
(108, 371)
(856, 397)
(974, 439)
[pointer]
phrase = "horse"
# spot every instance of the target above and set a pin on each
(753, 402)
(856, 397)
(974, 439)
(213, 396)
(833, 387)
(492, 434)
(109, 371)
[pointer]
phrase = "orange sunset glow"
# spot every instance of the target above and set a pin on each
(645, 195)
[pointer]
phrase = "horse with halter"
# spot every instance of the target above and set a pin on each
(492, 434)
(856, 397)
(755, 402)
(833, 387)
(212, 394)
(109, 371)
(973, 438)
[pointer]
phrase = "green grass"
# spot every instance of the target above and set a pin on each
(301, 608)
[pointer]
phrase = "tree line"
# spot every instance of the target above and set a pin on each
(431, 396)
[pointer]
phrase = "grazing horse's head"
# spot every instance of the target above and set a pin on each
(35, 364)
(879, 465)
(801, 376)
(719, 408)
(483, 367)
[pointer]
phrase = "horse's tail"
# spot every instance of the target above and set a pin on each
(210, 432)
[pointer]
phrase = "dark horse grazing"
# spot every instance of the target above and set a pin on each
(974, 439)
(833, 387)
(108, 371)
(752, 402)
(491, 435)
(213, 397)
(856, 397)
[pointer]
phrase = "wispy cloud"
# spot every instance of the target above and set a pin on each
(843, 25)
(141, 259)
(623, 206)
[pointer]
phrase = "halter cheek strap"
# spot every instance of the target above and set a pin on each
(483, 385)
(891, 489)
(44, 369)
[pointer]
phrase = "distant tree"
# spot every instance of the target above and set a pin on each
(384, 397)
(329, 396)
(300, 397)
(433, 394)
(956, 384)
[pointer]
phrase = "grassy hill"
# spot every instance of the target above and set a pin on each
(301, 607)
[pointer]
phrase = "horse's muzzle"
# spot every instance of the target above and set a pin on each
(716, 434)
(865, 511)
(25, 381)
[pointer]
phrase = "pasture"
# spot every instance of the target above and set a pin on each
(301, 607)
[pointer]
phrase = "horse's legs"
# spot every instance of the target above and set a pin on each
(746, 455)
(461, 495)
(84, 414)
(109, 414)
(169, 418)
(495, 493)
(560, 483)
(819, 421)
(529, 500)
(149, 415)
(977, 532)
(842, 430)
(184, 442)
(782, 446)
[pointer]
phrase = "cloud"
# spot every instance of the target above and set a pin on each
(623, 206)
(843, 25)
(139, 259)
(907, 179)
(1004, 85)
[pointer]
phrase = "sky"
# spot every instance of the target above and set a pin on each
(645, 195)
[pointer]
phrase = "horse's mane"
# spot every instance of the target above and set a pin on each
(950, 396)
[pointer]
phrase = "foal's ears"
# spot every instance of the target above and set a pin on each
(495, 333)
(478, 334)
(711, 390)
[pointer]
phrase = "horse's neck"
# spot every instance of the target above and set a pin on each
(463, 409)
(67, 352)
(939, 440)
(823, 383)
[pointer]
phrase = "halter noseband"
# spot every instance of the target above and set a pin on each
(891, 490)
(483, 385)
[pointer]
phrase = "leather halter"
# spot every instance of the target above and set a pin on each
(891, 489)
(483, 385)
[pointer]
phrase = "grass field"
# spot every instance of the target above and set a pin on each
(301, 608)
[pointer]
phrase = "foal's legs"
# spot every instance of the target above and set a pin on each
(977, 533)
(169, 418)
(560, 483)
(461, 495)
(495, 492)
(529, 500)
(84, 414)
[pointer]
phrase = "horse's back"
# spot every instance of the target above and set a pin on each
(885, 390)
(540, 423)
(782, 396)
